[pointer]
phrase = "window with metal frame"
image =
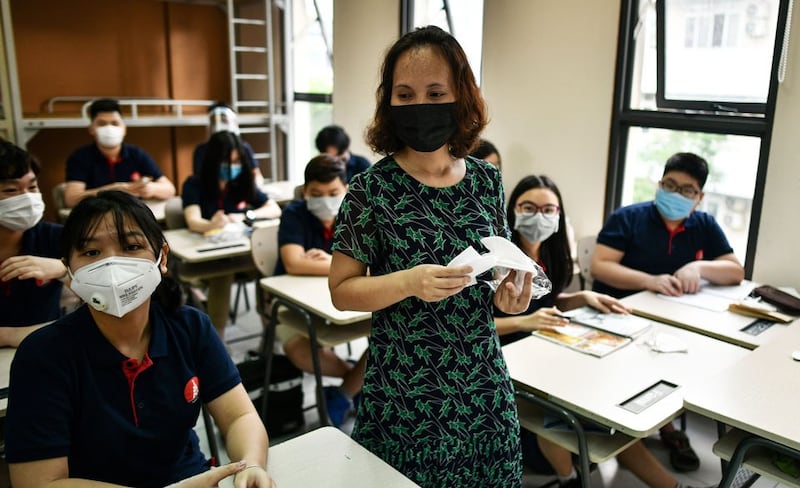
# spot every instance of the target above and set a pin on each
(698, 76)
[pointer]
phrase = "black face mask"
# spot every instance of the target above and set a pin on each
(424, 127)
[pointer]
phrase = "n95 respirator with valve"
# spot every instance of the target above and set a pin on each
(116, 285)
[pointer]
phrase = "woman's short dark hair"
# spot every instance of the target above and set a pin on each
(16, 162)
(325, 168)
(554, 252)
(470, 111)
(218, 151)
(125, 209)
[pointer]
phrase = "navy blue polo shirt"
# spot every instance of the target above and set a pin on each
(200, 153)
(87, 164)
(73, 394)
(29, 302)
(192, 194)
(356, 164)
(299, 226)
(639, 232)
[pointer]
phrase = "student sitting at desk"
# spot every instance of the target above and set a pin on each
(111, 392)
(666, 246)
(30, 268)
(334, 140)
(221, 118)
(536, 215)
(221, 194)
(304, 241)
(109, 164)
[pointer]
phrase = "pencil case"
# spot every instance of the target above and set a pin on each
(781, 299)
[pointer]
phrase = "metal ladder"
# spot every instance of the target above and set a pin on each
(252, 77)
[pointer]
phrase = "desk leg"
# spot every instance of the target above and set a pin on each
(267, 348)
(583, 449)
(322, 408)
(741, 451)
(721, 431)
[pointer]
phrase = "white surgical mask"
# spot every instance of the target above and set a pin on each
(109, 135)
(21, 212)
(324, 208)
(116, 285)
(536, 227)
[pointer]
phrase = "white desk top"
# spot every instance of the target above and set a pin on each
(6, 356)
(759, 394)
(192, 247)
(723, 325)
(312, 294)
(594, 387)
(328, 457)
(280, 191)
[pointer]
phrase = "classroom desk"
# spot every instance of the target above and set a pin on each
(309, 297)
(758, 396)
(723, 325)
(328, 457)
(280, 191)
(595, 388)
(158, 207)
(6, 356)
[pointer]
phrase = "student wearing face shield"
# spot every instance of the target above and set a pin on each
(304, 240)
(224, 192)
(111, 164)
(222, 118)
(30, 267)
(111, 392)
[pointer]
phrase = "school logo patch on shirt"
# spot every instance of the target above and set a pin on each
(698, 256)
(192, 390)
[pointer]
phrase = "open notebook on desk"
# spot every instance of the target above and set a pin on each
(716, 298)
(615, 323)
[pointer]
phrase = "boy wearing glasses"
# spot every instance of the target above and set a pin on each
(666, 246)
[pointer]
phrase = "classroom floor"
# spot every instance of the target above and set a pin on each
(701, 431)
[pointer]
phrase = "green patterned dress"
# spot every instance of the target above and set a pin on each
(437, 400)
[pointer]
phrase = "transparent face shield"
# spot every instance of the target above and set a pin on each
(223, 119)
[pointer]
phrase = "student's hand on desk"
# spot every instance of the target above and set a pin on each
(689, 277)
(605, 303)
(144, 189)
(219, 219)
(211, 478)
(431, 282)
(544, 318)
(511, 300)
(253, 477)
(27, 267)
(666, 285)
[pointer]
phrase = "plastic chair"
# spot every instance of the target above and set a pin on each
(173, 213)
(58, 198)
(585, 251)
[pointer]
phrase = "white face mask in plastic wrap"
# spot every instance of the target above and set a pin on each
(116, 285)
(21, 212)
(109, 135)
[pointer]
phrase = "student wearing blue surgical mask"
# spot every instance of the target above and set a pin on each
(305, 236)
(224, 192)
(30, 269)
(111, 392)
(537, 218)
(666, 246)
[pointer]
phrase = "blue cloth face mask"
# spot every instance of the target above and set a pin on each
(673, 205)
(229, 172)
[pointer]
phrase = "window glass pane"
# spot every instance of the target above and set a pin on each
(732, 161)
(313, 72)
(712, 55)
(467, 19)
(643, 88)
(309, 118)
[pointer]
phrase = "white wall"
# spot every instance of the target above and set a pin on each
(362, 32)
(548, 77)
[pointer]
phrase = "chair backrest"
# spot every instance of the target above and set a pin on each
(173, 213)
(264, 245)
(58, 199)
(298, 192)
(585, 250)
